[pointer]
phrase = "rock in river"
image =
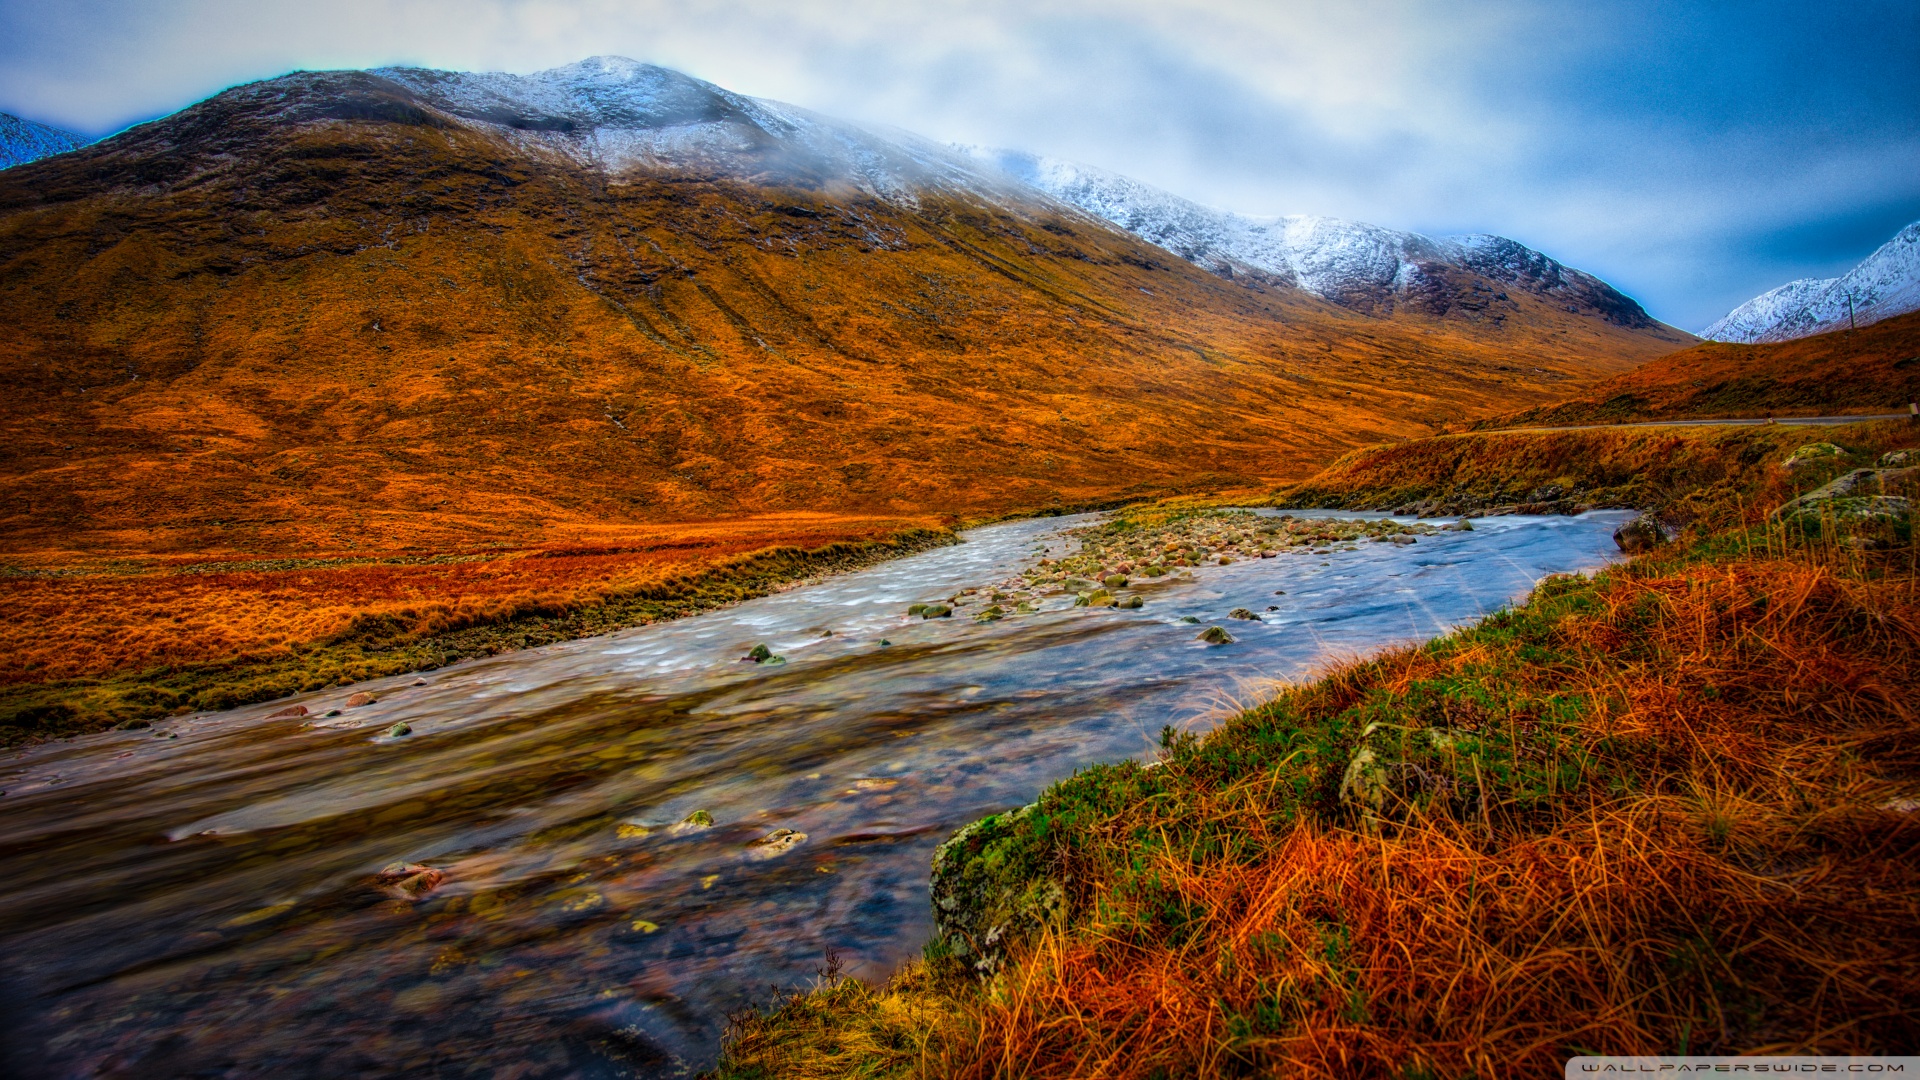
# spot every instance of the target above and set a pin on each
(777, 842)
(1215, 635)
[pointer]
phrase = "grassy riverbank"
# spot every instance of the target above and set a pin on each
(1712, 475)
(118, 644)
(1673, 807)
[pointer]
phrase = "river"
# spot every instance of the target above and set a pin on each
(203, 898)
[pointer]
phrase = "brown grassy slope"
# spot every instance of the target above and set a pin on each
(1670, 468)
(1875, 369)
(323, 319)
(1670, 808)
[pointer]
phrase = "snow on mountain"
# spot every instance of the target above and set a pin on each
(616, 114)
(1885, 284)
(22, 141)
(1347, 262)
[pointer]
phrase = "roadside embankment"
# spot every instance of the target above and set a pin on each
(1687, 474)
(99, 644)
(1671, 807)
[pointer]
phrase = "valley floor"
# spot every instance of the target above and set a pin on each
(1673, 807)
(93, 642)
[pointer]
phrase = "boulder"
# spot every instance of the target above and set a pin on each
(1899, 459)
(1644, 533)
(1114, 581)
(1242, 613)
(759, 654)
(1131, 603)
(935, 611)
(1855, 498)
(1215, 635)
(985, 894)
(361, 698)
(1812, 454)
(399, 729)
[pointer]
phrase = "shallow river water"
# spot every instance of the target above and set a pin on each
(208, 904)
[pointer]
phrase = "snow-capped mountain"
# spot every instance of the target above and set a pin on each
(22, 141)
(619, 116)
(616, 114)
(1347, 262)
(1885, 284)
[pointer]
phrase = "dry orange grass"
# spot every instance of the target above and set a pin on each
(1749, 889)
(1688, 820)
(111, 617)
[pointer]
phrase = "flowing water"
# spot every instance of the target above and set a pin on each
(203, 899)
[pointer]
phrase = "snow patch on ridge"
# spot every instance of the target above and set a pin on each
(22, 141)
(617, 114)
(1347, 262)
(1884, 284)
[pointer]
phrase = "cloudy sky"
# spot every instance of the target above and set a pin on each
(1693, 154)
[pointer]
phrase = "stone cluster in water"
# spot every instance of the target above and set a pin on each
(1126, 550)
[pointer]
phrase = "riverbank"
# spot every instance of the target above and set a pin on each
(1710, 475)
(1668, 808)
(126, 642)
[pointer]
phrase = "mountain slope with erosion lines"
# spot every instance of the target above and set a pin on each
(334, 311)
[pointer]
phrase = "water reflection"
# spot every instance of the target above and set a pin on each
(211, 903)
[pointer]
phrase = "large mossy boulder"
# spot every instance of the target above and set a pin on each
(1859, 502)
(989, 888)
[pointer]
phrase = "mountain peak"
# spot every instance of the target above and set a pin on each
(22, 141)
(1884, 284)
(1365, 267)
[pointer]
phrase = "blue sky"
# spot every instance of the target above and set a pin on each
(1693, 154)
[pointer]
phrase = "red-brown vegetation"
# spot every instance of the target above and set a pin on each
(1671, 808)
(104, 617)
(1875, 369)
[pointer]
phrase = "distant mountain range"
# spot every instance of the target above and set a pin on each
(1885, 284)
(1356, 265)
(311, 305)
(22, 141)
